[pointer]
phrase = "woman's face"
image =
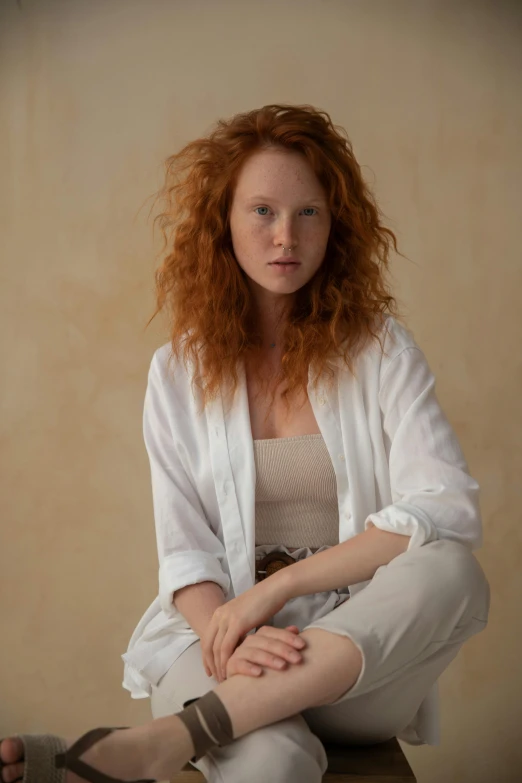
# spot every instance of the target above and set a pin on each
(278, 201)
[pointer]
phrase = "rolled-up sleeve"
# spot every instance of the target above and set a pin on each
(189, 552)
(433, 494)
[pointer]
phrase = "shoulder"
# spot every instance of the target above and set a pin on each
(394, 340)
(161, 360)
(397, 338)
(403, 363)
(169, 379)
(159, 368)
(168, 368)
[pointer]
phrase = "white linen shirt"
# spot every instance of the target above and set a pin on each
(396, 458)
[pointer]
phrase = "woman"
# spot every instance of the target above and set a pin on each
(310, 495)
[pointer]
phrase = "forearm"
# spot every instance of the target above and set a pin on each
(355, 560)
(197, 604)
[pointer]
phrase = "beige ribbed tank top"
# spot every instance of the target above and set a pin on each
(296, 493)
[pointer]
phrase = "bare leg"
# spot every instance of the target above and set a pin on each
(330, 666)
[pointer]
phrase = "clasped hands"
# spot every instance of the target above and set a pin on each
(226, 649)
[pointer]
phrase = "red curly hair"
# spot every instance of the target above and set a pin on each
(204, 290)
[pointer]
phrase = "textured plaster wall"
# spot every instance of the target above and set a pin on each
(94, 96)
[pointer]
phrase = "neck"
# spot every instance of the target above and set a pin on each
(270, 318)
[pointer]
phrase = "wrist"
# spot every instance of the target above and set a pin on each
(281, 583)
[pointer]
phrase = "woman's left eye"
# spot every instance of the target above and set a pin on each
(264, 215)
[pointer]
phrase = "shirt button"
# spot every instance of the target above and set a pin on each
(341, 457)
(321, 401)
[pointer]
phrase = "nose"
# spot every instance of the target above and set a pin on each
(285, 233)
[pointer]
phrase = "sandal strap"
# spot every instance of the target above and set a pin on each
(89, 739)
(69, 760)
(39, 753)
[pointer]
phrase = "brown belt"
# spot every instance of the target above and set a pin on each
(271, 563)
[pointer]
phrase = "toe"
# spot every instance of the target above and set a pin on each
(13, 772)
(11, 750)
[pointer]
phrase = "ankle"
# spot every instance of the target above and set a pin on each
(208, 723)
(170, 746)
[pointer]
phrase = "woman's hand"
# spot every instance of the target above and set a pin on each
(232, 621)
(270, 647)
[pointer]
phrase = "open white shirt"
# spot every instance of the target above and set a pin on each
(396, 458)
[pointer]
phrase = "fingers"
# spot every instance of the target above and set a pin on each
(269, 647)
(238, 665)
(269, 653)
(281, 634)
(207, 663)
(227, 648)
(275, 656)
(207, 650)
(216, 652)
(211, 671)
(225, 643)
(208, 671)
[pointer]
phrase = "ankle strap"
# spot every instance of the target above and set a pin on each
(218, 721)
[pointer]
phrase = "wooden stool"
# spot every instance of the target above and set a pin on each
(382, 763)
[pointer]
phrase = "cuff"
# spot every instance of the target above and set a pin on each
(407, 520)
(188, 568)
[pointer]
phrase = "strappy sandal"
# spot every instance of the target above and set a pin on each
(46, 754)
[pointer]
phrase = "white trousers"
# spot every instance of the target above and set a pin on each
(409, 623)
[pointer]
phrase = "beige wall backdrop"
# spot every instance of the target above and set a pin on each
(94, 96)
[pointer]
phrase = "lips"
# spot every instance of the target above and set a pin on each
(285, 260)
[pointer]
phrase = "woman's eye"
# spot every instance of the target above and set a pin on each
(264, 215)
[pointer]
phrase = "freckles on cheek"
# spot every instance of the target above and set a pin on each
(250, 242)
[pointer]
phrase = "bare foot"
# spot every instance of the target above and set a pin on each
(121, 754)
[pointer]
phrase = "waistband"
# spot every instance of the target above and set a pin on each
(272, 557)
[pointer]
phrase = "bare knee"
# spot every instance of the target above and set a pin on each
(340, 658)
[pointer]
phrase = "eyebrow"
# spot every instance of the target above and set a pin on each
(315, 200)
